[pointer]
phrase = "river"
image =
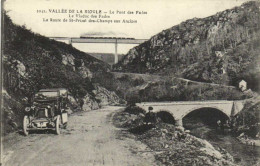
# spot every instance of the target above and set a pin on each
(244, 155)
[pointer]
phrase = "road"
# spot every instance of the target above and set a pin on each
(90, 139)
(154, 76)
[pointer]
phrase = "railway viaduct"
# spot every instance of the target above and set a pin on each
(181, 108)
(114, 40)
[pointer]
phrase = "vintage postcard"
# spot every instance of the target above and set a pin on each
(130, 83)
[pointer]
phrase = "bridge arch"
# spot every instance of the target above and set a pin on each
(166, 116)
(186, 112)
(206, 115)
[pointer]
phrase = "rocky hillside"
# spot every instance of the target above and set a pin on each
(32, 62)
(222, 48)
(133, 87)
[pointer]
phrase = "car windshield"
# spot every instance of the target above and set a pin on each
(51, 94)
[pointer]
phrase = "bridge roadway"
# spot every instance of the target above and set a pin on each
(100, 40)
(180, 109)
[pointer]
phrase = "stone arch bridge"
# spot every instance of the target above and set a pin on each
(180, 109)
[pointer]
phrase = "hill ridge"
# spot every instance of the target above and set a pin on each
(221, 48)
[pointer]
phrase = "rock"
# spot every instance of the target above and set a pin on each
(21, 68)
(164, 130)
(68, 59)
(187, 131)
(4, 92)
(89, 104)
(85, 72)
(106, 97)
(180, 128)
(14, 125)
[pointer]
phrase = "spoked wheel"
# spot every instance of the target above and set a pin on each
(25, 125)
(57, 125)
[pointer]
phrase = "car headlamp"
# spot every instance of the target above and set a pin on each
(27, 109)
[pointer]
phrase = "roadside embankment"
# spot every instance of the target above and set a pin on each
(171, 145)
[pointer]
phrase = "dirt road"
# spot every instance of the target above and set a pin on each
(90, 139)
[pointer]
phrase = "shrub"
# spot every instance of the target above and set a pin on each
(134, 110)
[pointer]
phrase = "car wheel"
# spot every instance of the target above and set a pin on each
(25, 125)
(57, 125)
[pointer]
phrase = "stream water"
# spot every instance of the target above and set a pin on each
(244, 155)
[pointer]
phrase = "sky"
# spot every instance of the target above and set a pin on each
(159, 15)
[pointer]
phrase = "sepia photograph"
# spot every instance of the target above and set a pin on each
(130, 83)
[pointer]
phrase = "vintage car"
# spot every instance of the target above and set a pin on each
(48, 111)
